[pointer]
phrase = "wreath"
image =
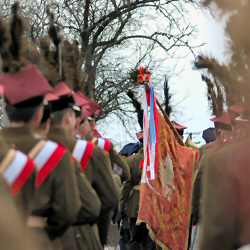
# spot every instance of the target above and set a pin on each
(140, 76)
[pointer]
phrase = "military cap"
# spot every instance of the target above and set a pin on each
(223, 122)
(25, 87)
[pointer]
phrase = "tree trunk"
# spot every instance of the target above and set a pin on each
(89, 78)
(89, 81)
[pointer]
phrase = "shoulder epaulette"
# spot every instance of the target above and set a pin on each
(82, 152)
(104, 144)
(46, 155)
(16, 168)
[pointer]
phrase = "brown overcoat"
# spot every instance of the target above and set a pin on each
(225, 221)
(58, 198)
(73, 239)
(14, 235)
(99, 173)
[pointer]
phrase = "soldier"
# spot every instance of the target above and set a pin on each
(120, 168)
(100, 175)
(129, 203)
(225, 209)
(62, 130)
(51, 198)
(179, 127)
(229, 156)
(22, 114)
(95, 165)
(223, 125)
(13, 232)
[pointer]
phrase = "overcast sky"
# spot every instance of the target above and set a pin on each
(189, 101)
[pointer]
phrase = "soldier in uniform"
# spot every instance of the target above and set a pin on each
(129, 203)
(60, 211)
(120, 172)
(223, 169)
(223, 125)
(179, 128)
(96, 168)
(13, 232)
(100, 175)
(51, 199)
(62, 130)
(225, 209)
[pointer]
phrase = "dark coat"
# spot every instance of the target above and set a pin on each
(130, 196)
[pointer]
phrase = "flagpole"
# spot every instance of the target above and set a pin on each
(177, 136)
(143, 77)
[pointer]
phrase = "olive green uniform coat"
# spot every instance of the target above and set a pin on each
(58, 198)
(130, 196)
(120, 172)
(14, 234)
(90, 203)
(118, 162)
(99, 173)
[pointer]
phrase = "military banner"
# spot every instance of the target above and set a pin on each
(165, 200)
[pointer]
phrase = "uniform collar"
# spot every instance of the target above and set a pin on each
(19, 131)
(59, 135)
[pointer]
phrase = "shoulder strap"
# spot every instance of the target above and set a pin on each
(104, 144)
(82, 152)
(46, 155)
(141, 164)
(16, 168)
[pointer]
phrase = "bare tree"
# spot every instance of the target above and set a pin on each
(105, 29)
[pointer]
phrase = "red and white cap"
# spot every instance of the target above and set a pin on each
(26, 84)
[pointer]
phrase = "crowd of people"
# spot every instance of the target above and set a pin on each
(61, 180)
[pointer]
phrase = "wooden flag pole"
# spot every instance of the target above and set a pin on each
(177, 136)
